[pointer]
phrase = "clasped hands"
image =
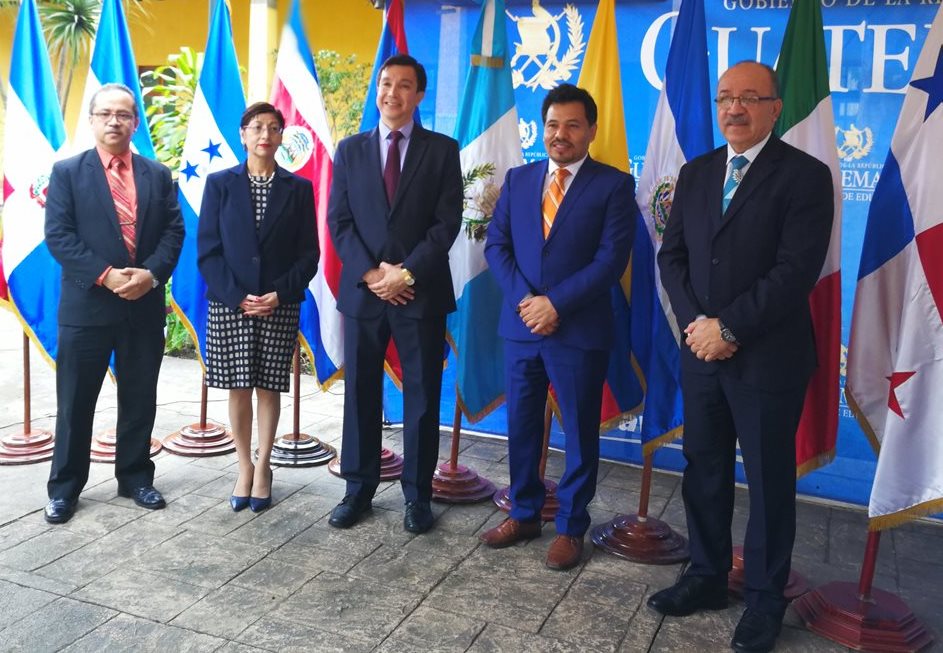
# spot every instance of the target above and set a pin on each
(389, 283)
(539, 315)
(129, 283)
(259, 305)
(703, 337)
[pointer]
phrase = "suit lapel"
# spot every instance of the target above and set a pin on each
(142, 187)
(717, 172)
(418, 141)
(101, 190)
(371, 183)
(278, 197)
(762, 167)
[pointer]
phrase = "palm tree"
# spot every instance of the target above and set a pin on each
(70, 27)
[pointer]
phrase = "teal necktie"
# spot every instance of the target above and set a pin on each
(733, 180)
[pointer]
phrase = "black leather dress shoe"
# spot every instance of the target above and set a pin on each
(349, 511)
(756, 632)
(145, 496)
(59, 511)
(418, 517)
(688, 595)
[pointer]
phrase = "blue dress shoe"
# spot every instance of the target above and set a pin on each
(258, 504)
(59, 511)
(349, 511)
(418, 518)
(688, 595)
(756, 632)
(238, 503)
(145, 496)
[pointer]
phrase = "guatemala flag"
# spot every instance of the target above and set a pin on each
(307, 150)
(489, 139)
(392, 41)
(212, 144)
(112, 61)
(895, 360)
(34, 139)
(673, 142)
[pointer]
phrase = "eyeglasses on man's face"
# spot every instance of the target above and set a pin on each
(123, 117)
(746, 101)
(256, 129)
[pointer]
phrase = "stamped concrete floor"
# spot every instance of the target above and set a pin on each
(198, 577)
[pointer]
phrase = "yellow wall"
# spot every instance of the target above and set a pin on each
(347, 26)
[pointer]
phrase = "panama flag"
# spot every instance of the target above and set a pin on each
(895, 360)
(488, 136)
(307, 150)
(112, 61)
(622, 393)
(212, 144)
(392, 41)
(34, 138)
(808, 123)
(681, 131)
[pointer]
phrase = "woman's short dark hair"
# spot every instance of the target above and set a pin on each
(566, 93)
(258, 109)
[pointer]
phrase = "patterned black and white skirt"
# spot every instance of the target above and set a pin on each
(250, 352)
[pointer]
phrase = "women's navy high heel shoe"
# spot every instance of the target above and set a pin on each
(238, 503)
(257, 504)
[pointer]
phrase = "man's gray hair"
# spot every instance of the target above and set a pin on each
(113, 86)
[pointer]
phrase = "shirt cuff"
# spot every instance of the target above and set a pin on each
(101, 278)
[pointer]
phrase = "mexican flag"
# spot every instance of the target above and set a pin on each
(807, 122)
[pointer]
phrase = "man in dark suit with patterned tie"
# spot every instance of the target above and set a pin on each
(395, 208)
(560, 239)
(742, 250)
(114, 225)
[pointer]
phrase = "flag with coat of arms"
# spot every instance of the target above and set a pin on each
(34, 139)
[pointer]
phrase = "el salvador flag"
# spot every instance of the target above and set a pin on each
(487, 133)
(112, 61)
(212, 144)
(392, 41)
(34, 139)
(682, 130)
(308, 150)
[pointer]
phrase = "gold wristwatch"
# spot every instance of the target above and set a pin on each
(409, 278)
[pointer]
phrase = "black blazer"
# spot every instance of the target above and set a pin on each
(235, 260)
(754, 266)
(83, 235)
(417, 231)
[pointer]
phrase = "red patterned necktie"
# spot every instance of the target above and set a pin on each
(119, 193)
(553, 198)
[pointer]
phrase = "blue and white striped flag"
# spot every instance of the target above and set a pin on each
(112, 61)
(34, 140)
(682, 130)
(212, 144)
(487, 133)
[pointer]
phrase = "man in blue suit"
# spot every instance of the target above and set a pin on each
(395, 208)
(743, 247)
(559, 239)
(113, 223)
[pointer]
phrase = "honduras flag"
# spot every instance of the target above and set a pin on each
(392, 41)
(34, 139)
(212, 144)
(307, 150)
(682, 130)
(488, 136)
(112, 61)
(895, 359)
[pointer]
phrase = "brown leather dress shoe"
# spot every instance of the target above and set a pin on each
(565, 552)
(510, 531)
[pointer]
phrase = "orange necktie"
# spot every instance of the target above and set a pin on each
(553, 198)
(119, 193)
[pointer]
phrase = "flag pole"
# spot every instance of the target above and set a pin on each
(502, 498)
(203, 438)
(641, 538)
(454, 483)
(860, 616)
(27, 446)
(297, 449)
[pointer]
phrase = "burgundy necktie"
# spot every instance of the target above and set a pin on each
(391, 170)
(119, 193)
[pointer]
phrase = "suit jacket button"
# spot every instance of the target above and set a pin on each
(255, 259)
(715, 261)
